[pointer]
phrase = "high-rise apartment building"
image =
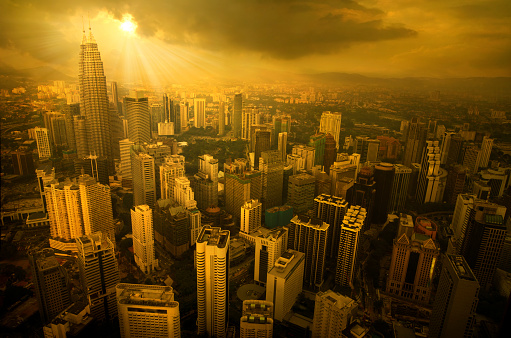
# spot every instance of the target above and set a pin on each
(331, 123)
(99, 274)
(333, 312)
(251, 213)
(136, 107)
(399, 188)
(349, 241)
(284, 282)
(256, 319)
(270, 244)
(199, 113)
(309, 235)
(307, 153)
(93, 97)
(411, 269)
(43, 143)
(212, 257)
(144, 178)
(237, 111)
(300, 192)
(331, 209)
(50, 283)
(456, 300)
(205, 182)
(183, 193)
(173, 168)
(143, 238)
(384, 178)
(147, 311)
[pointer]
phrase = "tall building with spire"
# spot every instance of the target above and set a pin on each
(94, 98)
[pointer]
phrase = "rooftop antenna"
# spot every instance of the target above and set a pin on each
(83, 25)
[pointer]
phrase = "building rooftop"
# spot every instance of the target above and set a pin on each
(285, 265)
(461, 267)
(147, 295)
(214, 236)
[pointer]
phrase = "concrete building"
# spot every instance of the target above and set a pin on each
(331, 209)
(330, 153)
(183, 193)
(272, 178)
(432, 178)
(414, 142)
(205, 182)
(284, 282)
(51, 284)
(333, 312)
(455, 183)
(250, 116)
(270, 244)
(384, 178)
(282, 145)
(221, 118)
(172, 227)
(237, 110)
(147, 311)
(331, 123)
(349, 245)
(44, 148)
(173, 168)
(318, 142)
(256, 319)
(241, 185)
(73, 321)
(260, 141)
(309, 235)
(199, 113)
(456, 300)
(143, 238)
(136, 107)
(301, 192)
(399, 188)
(125, 165)
(307, 153)
(99, 274)
(251, 213)
(212, 257)
(144, 178)
(23, 162)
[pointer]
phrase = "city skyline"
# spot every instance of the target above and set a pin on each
(256, 40)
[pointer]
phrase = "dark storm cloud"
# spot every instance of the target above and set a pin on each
(285, 29)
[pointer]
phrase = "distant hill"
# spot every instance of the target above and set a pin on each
(10, 77)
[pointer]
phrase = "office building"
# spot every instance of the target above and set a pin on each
(125, 164)
(144, 178)
(281, 124)
(331, 123)
(455, 183)
(115, 98)
(99, 274)
(364, 193)
(45, 175)
(284, 282)
(272, 178)
(310, 235)
(93, 98)
(300, 192)
(384, 179)
(484, 239)
(250, 116)
(485, 153)
(318, 142)
(205, 183)
(51, 284)
(94, 166)
(143, 238)
(80, 128)
(147, 311)
(260, 142)
(333, 312)
(173, 168)
(282, 145)
(23, 162)
(278, 216)
(414, 142)
(307, 153)
(212, 257)
(389, 148)
(456, 300)
(399, 188)
(199, 113)
(74, 321)
(256, 319)
(221, 118)
(432, 178)
(349, 245)
(413, 263)
(43, 143)
(172, 227)
(251, 213)
(270, 244)
(331, 209)
(237, 110)
(330, 153)
(241, 185)
(136, 107)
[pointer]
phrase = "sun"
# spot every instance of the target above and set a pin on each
(127, 25)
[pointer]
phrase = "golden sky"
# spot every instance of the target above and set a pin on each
(182, 39)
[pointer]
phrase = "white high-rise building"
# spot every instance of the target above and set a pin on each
(285, 282)
(282, 145)
(212, 257)
(349, 245)
(199, 113)
(333, 312)
(331, 123)
(143, 238)
(147, 311)
(270, 244)
(251, 216)
(144, 184)
(43, 142)
(307, 153)
(173, 168)
(183, 193)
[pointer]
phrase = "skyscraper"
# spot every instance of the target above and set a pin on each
(115, 98)
(285, 282)
(212, 256)
(173, 168)
(333, 312)
(125, 165)
(241, 185)
(143, 238)
(183, 193)
(199, 113)
(309, 235)
(455, 183)
(384, 178)
(237, 110)
(399, 188)
(251, 213)
(144, 179)
(485, 153)
(331, 123)
(221, 118)
(415, 141)
(269, 246)
(272, 173)
(352, 224)
(139, 120)
(172, 226)
(260, 142)
(99, 274)
(330, 153)
(23, 162)
(50, 284)
(43, 143)
(301, 192)
(147, 311)
(80, 128)
(282, 145)
(93, 97)
(256, 319)
(456, 299)
(331, 209)
(250, 116)
(205, 182)
(318, 142)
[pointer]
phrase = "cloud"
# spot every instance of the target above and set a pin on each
(286, 29)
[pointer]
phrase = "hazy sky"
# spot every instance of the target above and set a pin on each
(178, 39)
